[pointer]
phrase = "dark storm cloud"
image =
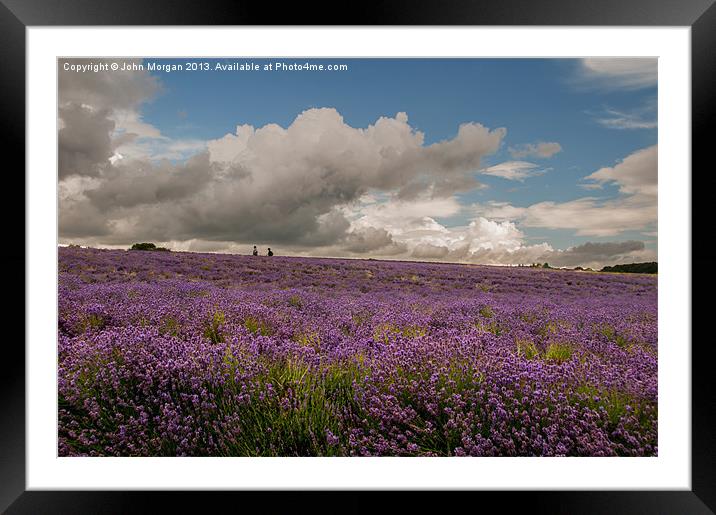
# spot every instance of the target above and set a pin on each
(114, 90)
(139, 182)
(368, 239)
(82, 219)
(302, 173)
(492, 242)
(594, 252)
(84, 140)
(429, 251)
(271, 184)
(87, 101)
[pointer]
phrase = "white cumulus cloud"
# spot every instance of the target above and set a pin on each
(617, 73)
(514, 170)
(635, 209)
(540, 150)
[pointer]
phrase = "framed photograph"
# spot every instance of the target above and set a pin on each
(367, 257)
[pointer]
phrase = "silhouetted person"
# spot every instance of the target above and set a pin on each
(256, 251)
(270, 252)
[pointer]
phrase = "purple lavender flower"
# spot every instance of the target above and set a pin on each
(182, 354)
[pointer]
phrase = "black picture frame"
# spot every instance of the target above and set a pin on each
(16, 15)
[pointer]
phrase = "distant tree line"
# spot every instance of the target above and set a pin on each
(538, 265)
(633, 268)
(147, 246)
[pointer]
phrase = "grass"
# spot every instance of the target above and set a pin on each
(615, 403)
(293, 407)
(456, 377)
(212, 330)
(92, 321)
(558, 352)
(493, 326)
(528, 317)
(526, 348)
(258, 326)
(610, 333)
(171, 327)
(549, 328)
(383, 332)
(486, 311)
(308, 339)
(360, 319)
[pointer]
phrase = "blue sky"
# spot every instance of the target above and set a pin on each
(594, 113)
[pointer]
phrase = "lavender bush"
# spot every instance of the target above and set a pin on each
(178, 354)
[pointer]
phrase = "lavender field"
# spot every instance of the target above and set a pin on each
(183, 354)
